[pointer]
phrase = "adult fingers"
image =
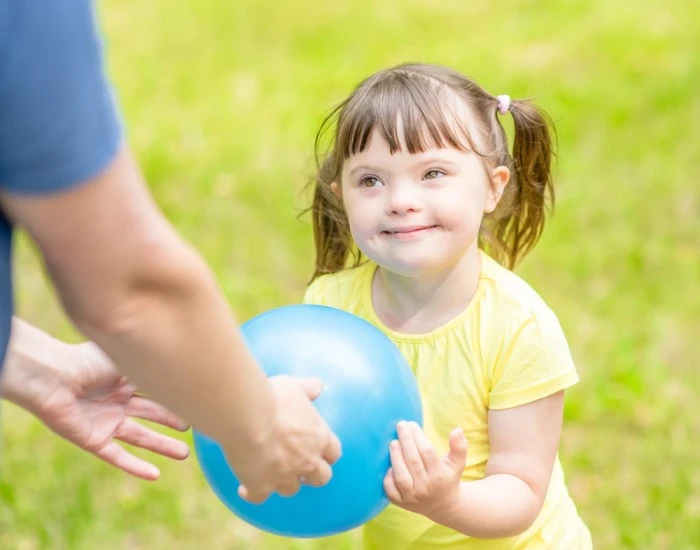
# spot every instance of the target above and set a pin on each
(147, 409)
(135, 434)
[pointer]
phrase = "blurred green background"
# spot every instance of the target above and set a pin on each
(222, 100)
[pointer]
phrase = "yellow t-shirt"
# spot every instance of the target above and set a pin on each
(505, 349)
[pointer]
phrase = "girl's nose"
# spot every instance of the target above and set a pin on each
(402, 199)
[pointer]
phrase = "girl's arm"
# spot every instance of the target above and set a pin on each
(524, 442)
(523, 447)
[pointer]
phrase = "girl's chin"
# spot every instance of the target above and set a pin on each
(414, 268)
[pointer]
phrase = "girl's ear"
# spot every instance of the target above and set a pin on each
(335, 188)
(499, 179)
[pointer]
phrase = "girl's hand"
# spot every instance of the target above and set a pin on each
(419, 480)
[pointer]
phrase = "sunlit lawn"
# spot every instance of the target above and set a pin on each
(222, 100)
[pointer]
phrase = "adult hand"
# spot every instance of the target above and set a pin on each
(299, 447)
(84, 399)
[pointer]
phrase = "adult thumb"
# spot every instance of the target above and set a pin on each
(458, 449)
(312, 387)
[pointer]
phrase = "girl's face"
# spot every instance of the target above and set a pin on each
(417, 214)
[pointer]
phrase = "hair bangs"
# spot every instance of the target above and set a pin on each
(407, 110)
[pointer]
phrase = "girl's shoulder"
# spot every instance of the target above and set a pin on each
(509, 293)
(525, 351)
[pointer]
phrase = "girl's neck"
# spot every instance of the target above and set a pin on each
(417, 305)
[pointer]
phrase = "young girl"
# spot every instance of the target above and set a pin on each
(418, 184)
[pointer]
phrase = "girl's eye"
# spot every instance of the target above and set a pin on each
(370, 181)
(433, 174)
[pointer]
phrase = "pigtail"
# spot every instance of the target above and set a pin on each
(332, 236)
(531, 190)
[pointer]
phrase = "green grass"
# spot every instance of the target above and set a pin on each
(222, 100)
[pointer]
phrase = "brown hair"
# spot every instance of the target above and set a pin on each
(423, 97)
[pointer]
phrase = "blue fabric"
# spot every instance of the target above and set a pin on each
(59, 124)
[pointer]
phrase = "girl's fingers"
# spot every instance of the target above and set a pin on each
(390, 488)
(458, 449)
(402, 477)
(431, 460)
(411, 454)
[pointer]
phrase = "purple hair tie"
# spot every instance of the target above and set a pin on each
(503, 104)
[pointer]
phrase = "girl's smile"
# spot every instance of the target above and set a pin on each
(409, 232)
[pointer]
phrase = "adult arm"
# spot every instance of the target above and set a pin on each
(134, 287)
(124, 276)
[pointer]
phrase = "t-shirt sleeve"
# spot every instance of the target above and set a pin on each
(59, 123)
(534, 361)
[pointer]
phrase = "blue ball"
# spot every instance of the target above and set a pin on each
(368, 388)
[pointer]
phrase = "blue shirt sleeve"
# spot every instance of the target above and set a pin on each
(59, 123)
